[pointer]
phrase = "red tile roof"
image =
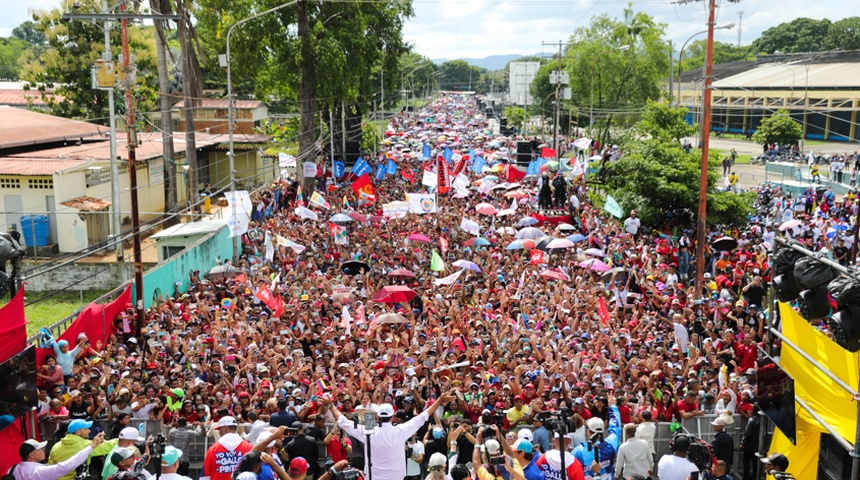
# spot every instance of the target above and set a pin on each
(20, 128)
(87, 204)
(34, 167)
(24, 98)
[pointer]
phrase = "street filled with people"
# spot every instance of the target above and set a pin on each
(442, 316)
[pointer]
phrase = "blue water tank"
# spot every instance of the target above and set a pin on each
(36, 230)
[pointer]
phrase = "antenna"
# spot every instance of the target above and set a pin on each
(740, 26)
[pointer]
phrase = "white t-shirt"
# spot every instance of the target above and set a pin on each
(631, 225)
(682, 337)
(672, 467)
(412, 467)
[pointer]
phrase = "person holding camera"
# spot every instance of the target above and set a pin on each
(128, 436)
(597, 453)
(676, 466)
(77, 439)
(386, 457)
(500, 464)
(302, 445)
(550, 462)
(33, 455)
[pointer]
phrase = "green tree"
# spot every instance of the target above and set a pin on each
(844, 34)
(694, 54)
(799, 35)
(459, 75)
(622, 80)
(515, 116)
(11, 50)
(658, 179)
(27, 32)
(63, 66)
(779, 128)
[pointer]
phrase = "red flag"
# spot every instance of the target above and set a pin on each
(444, 178)
(363, 188)
(240, 278)
(536, 256)
(548, 153)
(460, 165)
(279, 310)
(265, 296)
(444, 244)
(408, 174)
(603, 311)
(514, 173)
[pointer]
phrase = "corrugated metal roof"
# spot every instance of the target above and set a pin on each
(793, 75)
(35, 167)
(87, 204)
(193, 228)
(23, 98)
(20, 128)
(222, 103)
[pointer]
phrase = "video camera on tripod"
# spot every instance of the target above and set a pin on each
(556, 420)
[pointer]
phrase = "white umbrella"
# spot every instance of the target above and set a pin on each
(565, 227)
(789, 225)
(341, 218)
(507, 230)
(530, 233)
(560, 243)
(582, 143)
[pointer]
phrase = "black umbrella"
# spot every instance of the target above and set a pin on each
(725, 244)
(620, 274)
(354, 267)
(220, 272)
(541, 243)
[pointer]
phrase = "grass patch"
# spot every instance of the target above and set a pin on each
(52, 309)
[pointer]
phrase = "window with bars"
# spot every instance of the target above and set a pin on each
(10, 183)
(41, 183)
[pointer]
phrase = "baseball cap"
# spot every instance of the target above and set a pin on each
(298, 466)
(594, 424)
(227, 422)
(171, 455)
(29, 447)
(720, 421)
(264, 438)
(493, 447)
(523, 445)
(120, 454)
(777, 460)
(385, 410)
(437, 460)
(76, 425)
(122, 391)
(525, 434)
(130, 433)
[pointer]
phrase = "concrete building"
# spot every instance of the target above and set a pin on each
(820, 90)
(61, 168)
(211, 116)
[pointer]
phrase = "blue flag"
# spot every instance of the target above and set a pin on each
(471, 153)
(338, 169)
(361, 167)
(426, 153)
(380, 171)
(447, 154)
(390, 167)
(533, 169)
(540, 163)
(478, 165)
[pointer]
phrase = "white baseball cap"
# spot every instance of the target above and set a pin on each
(129, 433)
(227, 422)
(385, 410)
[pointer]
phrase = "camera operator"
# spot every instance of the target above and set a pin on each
(676, 466)
(550, 462)
(499, 464)
(126, 465)
(128, 436)
(386, 442)
(301, 445)
(33, 454)
(775, 463)
(597, 454)
(170, 464)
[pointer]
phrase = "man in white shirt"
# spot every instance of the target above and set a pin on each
(631, 225)
(170, 463)
(257, 428)
(633, 461)
(33, 454)
(646, 430)
(387, 441)
(676, 466)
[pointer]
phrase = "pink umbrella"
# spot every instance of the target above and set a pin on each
(393, 293)
(377, 219)
(357, 217)
(417, 237)
(595, 265)
(401, 272)
(486, 209)
(554, 274)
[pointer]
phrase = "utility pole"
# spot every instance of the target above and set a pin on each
(116, 216)
(740, 26)
(128, 79)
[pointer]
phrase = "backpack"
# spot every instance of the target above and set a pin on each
(10, 475)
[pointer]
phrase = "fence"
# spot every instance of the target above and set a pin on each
(200, 439)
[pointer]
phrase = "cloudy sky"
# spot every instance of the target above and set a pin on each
(479, 28)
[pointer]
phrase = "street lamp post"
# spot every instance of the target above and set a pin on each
(231, 113)
(727, 26)
(591, 106)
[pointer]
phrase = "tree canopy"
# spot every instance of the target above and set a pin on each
(799, 35)
(658, 179)
(779, 128)
(694, 54)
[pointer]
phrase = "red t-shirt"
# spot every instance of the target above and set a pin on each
(683, 406)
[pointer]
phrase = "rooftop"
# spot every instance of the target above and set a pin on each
(87, 204)
(193, 228)
(222, 103)
(19, 128)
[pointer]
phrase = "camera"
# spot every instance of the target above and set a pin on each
(497, 460)
(555, 420)
(291, 432)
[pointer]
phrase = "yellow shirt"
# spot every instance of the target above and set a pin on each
(514, 414)
(483, 474)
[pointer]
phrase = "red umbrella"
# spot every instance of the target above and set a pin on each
(377, 219)
(357, 217)
(401, 272)
(555, 274)
(393, 293)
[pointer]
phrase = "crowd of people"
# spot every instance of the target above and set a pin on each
(531, 360)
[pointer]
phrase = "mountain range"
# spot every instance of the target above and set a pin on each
(493, 62)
